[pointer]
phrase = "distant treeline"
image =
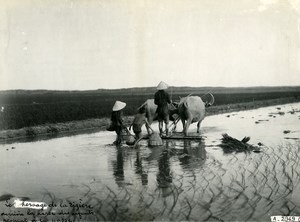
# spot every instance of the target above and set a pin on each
(30, 108)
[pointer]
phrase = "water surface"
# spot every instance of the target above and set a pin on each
(181, 180)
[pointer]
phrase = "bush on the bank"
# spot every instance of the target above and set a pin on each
(52, 130)
(30, 132)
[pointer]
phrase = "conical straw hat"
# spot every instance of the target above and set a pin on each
(118, 106)
(162, 85)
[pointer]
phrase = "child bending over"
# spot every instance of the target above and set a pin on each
(139, 120)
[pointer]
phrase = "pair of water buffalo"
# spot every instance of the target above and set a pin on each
(189, 109)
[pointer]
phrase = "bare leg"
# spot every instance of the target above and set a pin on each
(160, 125)
(119, 139)
(175, 123)
(138, 137)
(119, 136)
(167, 125)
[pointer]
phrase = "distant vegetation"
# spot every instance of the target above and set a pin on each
(31, 108)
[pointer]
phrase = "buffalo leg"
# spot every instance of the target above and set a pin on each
(198, 126)
(183, 125)
(174, 122)
(187, 125)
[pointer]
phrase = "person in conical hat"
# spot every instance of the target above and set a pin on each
(162, 99)
(117, 120)
(118, 106)
(162, 86)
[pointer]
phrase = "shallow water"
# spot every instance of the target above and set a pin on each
(182, 180)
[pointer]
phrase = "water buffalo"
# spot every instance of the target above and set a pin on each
(191, 109)
(151, 111)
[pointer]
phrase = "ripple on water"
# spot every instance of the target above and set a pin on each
(181, 180)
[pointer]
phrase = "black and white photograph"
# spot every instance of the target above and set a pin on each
(149, 110)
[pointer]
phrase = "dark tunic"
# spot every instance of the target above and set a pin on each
(162, 99)
(117, 121)
(116, 125)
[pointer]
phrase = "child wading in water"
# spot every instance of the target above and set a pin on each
(139, 120)
(117, 121)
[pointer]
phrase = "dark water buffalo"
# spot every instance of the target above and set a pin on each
(151, 111)
(191, 109)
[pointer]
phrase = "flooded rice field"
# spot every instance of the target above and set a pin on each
(84, 177)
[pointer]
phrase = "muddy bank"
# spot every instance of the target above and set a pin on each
(101, 124)
(249, 105)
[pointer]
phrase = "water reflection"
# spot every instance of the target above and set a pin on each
(164, 175)
(183, 180)
(139, 168)
(193, 155)
(118, 167)
(189, 156)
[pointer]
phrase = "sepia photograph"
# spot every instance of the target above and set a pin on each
(149, 110)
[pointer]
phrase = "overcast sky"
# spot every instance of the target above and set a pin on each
(91, 44)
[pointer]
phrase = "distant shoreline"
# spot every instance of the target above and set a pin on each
(81, 126)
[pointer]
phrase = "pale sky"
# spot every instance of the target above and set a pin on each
(92, 44)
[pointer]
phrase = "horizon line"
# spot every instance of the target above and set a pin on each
(137, 87)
